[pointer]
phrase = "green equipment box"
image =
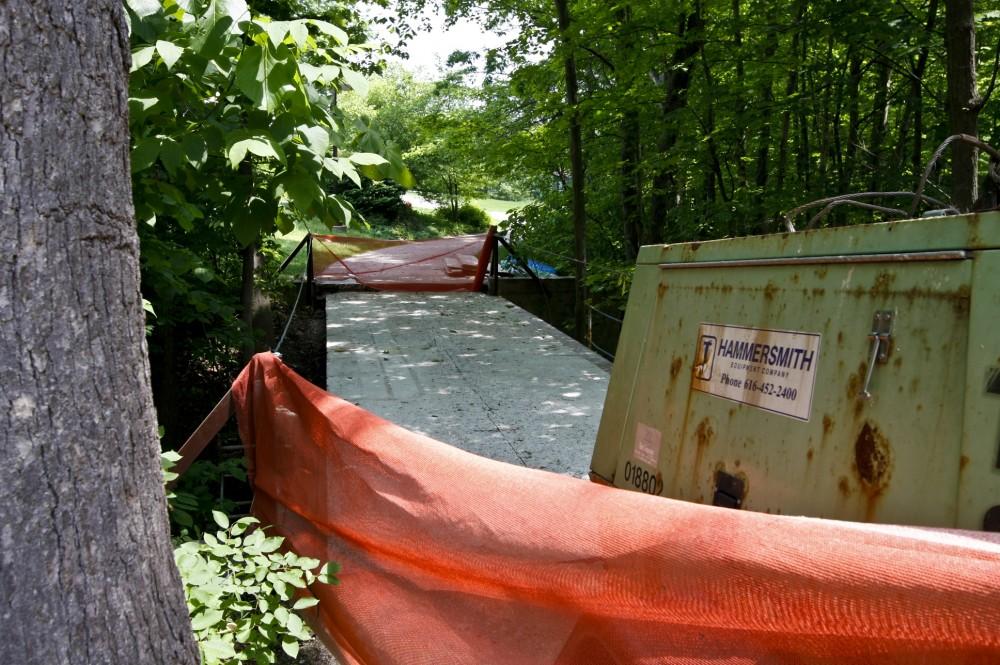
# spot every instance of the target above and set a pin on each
(851, 373)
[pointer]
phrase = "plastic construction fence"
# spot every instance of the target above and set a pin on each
(442, 264)
(448, 557)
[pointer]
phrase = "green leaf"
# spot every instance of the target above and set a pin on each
(195, 149)
(171, 155)
(220, 519)
(316, 138)
(143, 8)
(218, 648)
(305, 603)
(290, 645)
(294, 624)
(205, 619)
(323, 74)
(138, 105)
(169, 51)
(356, 80)
(302, 188)
(299, 30)
(145, 153)
(141, 57)
(276, 30)
(260, 75)
(260, 144)
(328, 575)
(367, 159)
(330, 29)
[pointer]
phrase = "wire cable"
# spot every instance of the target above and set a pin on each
(291, 315)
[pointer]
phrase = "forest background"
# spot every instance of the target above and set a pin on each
(624, 124)
(620, 124)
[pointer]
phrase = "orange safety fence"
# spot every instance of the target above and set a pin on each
(452, 558)
(442, 264)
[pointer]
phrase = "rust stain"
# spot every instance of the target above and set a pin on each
(675, 367)
(809, 455)
(795, 278)
(771, 290)
(898, 362)
(827, 424)
(821, 272)
(703, 435)
(736, 464)
(873, 464)
(818, 292)
(844, 486)
(915, 385)
(963, 462)
(840, 337)
(746, 486)
(661, 290)
(883, 284)
(855, 381)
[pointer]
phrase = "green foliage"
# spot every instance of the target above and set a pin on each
(378, 202)
(242, 592)
(467, 217)
(431, 126)
(197, 494)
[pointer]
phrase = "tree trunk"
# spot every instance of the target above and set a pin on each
(880, 118)
(86, 568)
(675, 80)
(854, 121)
(257, 314)
(576, 172)
(963, 100)
(631, 155)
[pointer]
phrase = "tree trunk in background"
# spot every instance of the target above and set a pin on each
(631, 153)
(911, 150)
(675, 80)
(765, 97)
(741, 141)
(631, 183)
(963, 100)
(880, 119)
(256, 306)
(576, 173)
(853, 120)
(86, 567)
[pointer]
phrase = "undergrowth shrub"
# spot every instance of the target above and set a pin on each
(243, 590)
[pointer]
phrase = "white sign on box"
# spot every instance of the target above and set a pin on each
(774, 370)
(647, 445)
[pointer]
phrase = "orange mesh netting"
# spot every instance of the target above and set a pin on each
(452, 558)
(443, 264)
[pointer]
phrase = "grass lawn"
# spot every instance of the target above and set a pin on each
(498, 207)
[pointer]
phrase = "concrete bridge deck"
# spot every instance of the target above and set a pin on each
(470, 370)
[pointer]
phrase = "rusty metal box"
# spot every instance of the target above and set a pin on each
(850, 373)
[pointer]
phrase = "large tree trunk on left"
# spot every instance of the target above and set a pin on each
(86, 568)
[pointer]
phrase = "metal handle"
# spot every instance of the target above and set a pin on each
(881, 337)
(876, 343)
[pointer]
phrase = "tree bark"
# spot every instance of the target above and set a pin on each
(963, 100)
(880, 118)
(576, 172)
(631, 149)
(676, 80)
(86, 567)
